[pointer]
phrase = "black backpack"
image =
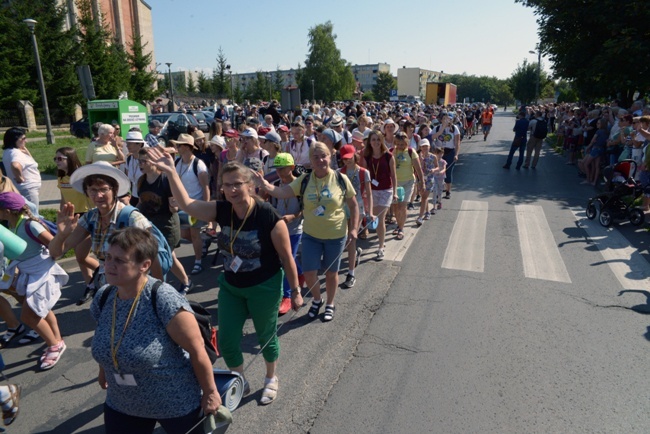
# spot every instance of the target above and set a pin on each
(203, 318)
(541, 129)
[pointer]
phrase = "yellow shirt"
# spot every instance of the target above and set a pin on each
(403, 165)
(96, 153)
(330, 221)
(68, 194)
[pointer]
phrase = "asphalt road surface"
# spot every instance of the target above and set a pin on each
(503, 313)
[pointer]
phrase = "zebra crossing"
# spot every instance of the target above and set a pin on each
(539, 253)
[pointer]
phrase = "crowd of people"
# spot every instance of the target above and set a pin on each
(590, 136)
(282, 196)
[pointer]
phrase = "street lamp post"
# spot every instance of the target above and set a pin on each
(46, 111)
(232, 90)
(539, 71)
(171, 86)
(313, 97)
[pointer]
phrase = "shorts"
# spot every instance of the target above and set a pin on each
(318, 254)
(487, 127)
(408, 189)
(382, 198)
(187, 221)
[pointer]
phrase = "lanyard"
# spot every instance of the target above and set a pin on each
(183, 172)
(20, 220)
(375, 169)
(114, 347)
(103, 233)
(232, 224)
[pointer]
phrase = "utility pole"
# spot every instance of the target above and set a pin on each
(46, 111)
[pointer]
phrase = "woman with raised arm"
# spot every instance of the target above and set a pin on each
(254, 242)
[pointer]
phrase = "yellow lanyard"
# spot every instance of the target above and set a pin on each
(232, 224)
(20, 220)
(318, 188)
(114, 347)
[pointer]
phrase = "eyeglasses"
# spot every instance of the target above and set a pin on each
(23, 138)
(59, 158)
(95, 191)
(233, 186)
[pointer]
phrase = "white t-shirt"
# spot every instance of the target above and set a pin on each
(189, 180)
(134, 173)
(31, 174)
(299, 151)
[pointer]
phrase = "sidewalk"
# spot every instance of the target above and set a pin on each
(50, 196)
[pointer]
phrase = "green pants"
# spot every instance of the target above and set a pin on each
(260, 302)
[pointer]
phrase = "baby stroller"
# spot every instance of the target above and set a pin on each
(617, 202)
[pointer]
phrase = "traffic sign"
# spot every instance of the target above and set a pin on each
(393, 92)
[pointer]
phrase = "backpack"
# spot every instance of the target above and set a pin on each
(48, 225)
(541, 129)
(208, 332)
(305, 181)
(195, 165)
(164, 251)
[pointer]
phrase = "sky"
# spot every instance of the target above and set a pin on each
(477, 37)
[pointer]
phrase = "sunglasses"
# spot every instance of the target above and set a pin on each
(59, 158)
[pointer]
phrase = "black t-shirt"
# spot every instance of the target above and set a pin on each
(253, 244)
(154, 205)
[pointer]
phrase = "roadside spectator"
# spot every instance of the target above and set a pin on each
(105, 148)
(134, 142)
(538, 128)
(154, 129)
(20, 166)
(590, 165)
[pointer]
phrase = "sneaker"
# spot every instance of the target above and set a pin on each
(439, 205)
(380, 255)
(447, 194)
(349, 281)
(89, 293)
(419, 221)
(285, 306)
(410, 206)
(427, 215)
(358, 258)
(433, 212)
(184, 289)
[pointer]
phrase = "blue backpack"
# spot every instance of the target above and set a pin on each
(164, 251)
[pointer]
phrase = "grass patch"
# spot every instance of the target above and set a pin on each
(44, 153)
(50, 214)
(39, 134)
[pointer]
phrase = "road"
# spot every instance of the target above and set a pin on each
(501, 314)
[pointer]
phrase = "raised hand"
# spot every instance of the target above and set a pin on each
(66, 219)
(161, 160)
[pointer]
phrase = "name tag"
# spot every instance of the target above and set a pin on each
(375, 182)
(235, 264)
(125, 380)
(320, 211)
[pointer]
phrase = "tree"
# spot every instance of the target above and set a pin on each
(203, 83)
(603, 53)
(385, 83)
(142, 79)
(332, 75)
(278, 84)
(220, 82)
(522, 82)
(368, 96)
(57, 48)
(107, 59)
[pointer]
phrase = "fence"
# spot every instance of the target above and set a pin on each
(10, 118)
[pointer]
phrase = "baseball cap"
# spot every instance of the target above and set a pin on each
(249, 132)
(283, 128)
(347, 151)
(254, 164)
(231, 133)
(272, 136)
(357, 136)
(283, 159)
(155, 124)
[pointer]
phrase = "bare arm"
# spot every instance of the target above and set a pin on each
(69, 234)
(393, 177)
(204, 180)
(17, 170)
(184, 330)
(354, 217)
(284, 192)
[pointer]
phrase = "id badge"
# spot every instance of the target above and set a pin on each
(320, 211)
(375, 182)
(235, 264)
(125, 380)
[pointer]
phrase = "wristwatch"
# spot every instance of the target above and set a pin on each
(296, 289)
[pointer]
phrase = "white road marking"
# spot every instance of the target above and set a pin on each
(629, 267)
(539, 252)
(466, 247)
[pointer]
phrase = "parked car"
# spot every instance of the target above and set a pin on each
(81, 128)
(175, 124)
(209, 116)
(200, 119)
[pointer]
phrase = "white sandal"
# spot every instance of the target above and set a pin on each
(270, 391)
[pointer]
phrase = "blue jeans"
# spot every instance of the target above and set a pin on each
(448, 156)
(295, 243)
(517, 143)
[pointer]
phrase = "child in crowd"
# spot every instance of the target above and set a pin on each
(291, 213)
(360, 179)
(438, 179)
(429, 164)
(39, 279)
